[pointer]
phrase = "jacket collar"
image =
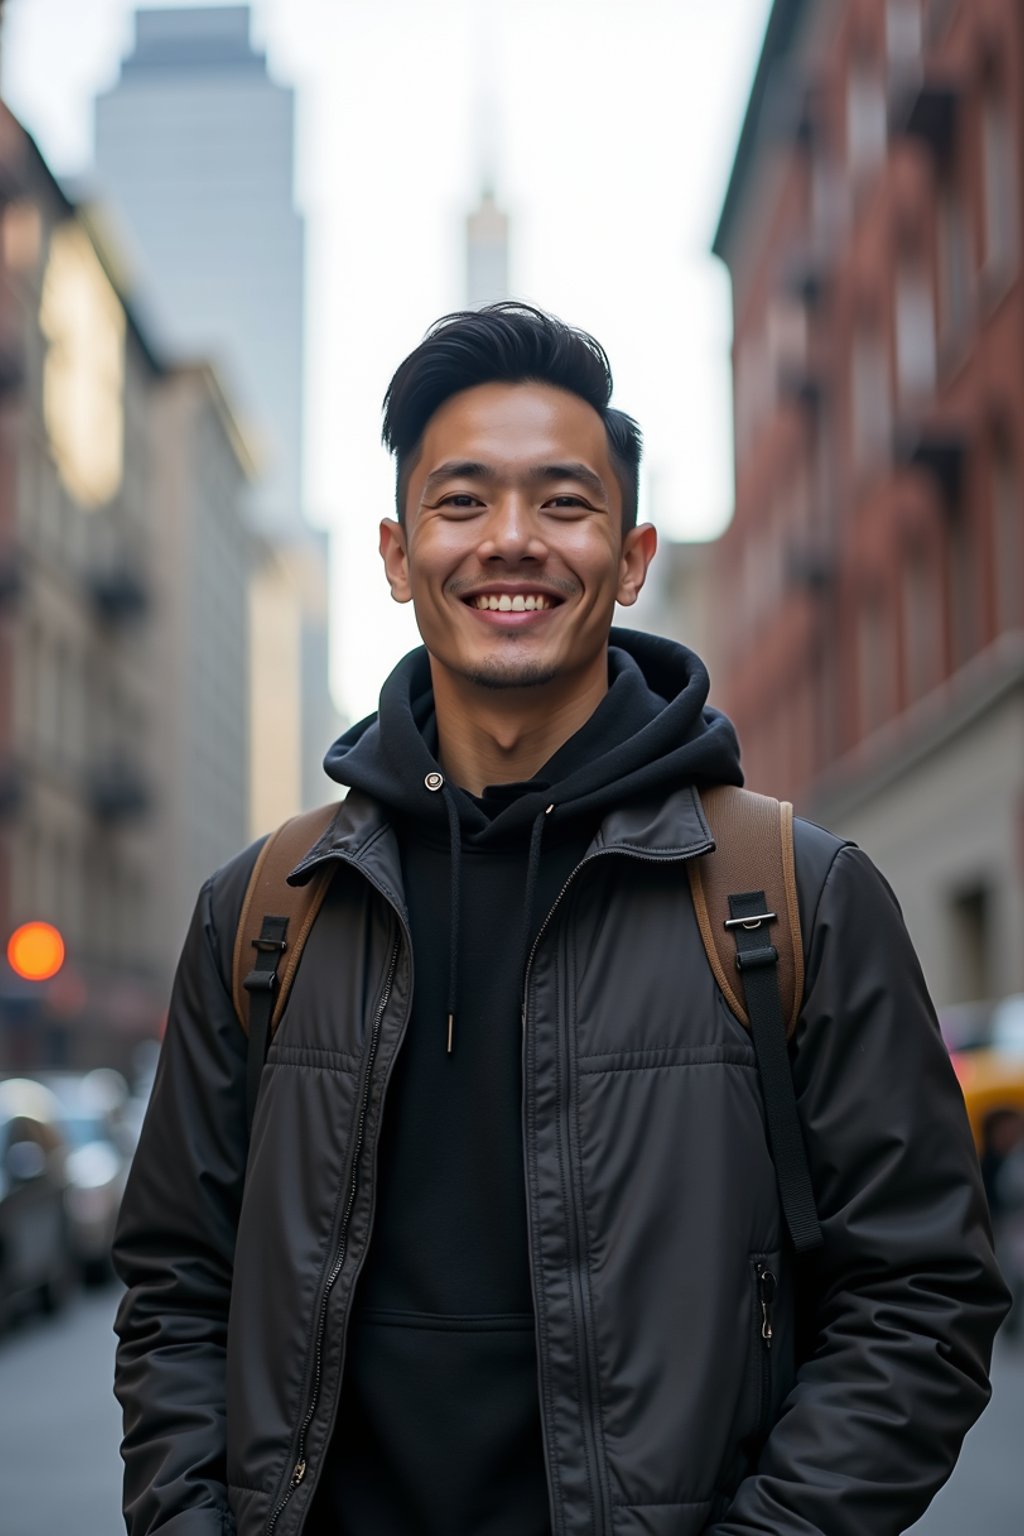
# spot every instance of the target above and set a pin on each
(672, 827)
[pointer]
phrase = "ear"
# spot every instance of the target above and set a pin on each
(638, 550)
(395, 555)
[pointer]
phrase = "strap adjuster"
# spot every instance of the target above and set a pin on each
(261, 981)
(756, 959)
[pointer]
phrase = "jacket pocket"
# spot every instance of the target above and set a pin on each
(755, 1408)
(766, 1287)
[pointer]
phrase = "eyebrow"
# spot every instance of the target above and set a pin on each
(470, 469)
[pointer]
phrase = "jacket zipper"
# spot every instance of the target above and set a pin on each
(299, 1468)
(767, 1287)
(589, 1393)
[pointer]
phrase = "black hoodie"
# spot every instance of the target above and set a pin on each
(439, 1431)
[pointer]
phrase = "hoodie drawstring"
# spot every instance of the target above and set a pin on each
(454, 907)
(436, 782)
(532, 871)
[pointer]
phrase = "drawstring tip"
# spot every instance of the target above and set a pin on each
(451, 1029)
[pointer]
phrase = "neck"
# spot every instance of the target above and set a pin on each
(503, 736)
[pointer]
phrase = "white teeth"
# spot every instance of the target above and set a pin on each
(533, 603)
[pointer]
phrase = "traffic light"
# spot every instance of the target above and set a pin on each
(35, 951)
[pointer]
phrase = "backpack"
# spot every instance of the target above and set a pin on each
(744, 885)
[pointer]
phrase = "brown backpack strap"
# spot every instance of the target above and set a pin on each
(753, 852)
(269, 894)
(744, 895)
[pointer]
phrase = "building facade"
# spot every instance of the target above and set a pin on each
(194, 156)
(199, 757)
(873, 574)
(103, 679)
(676, 599)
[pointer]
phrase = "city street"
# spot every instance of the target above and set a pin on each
(59, 1430)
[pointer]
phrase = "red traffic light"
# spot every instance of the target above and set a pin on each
(35, 951)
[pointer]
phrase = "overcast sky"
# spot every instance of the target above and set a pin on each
(615, 123)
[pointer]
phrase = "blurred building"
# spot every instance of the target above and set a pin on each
(676, 599)
(195, 149)
(109, 462)
(872, 581)
(199, 757)
(195, 154)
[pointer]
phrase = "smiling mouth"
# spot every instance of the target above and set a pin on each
(507, 602)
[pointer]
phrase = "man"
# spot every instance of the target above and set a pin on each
(504, 1253)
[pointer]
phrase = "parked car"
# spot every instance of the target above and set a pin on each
(986, 1046)
(35, 1252)
(96, 1165)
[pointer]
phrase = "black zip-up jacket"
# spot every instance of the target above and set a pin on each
(652, 1210)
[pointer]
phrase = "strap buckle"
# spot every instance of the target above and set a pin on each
(268, 946)
(751, 923)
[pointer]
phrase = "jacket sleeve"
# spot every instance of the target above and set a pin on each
(901, 1303)
(174, 1252)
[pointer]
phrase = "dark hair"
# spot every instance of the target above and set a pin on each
(511, 343)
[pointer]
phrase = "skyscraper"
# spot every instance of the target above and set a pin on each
(487, 227)
(486, 252)
(194, 150)
(194, 153)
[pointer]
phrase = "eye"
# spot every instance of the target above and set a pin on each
(566, 502)
(461, 501)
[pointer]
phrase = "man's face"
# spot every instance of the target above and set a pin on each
(513, 552)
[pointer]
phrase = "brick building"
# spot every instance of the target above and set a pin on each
(873, 574)
(124, 646)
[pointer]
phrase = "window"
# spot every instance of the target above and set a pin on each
(786, 334)
(939, 15)
(915, 333)
(970, 912)
(920, 625)
(1008, 530)
(829, 199)
(876, 663)
(999, 168)
(753, 389)
(963, 566)
(866, 129)
(954, 259)
(870, 397)
(903, 34)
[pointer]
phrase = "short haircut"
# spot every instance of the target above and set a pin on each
(509, 343)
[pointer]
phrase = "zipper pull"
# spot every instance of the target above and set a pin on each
(298, 1473)
(766, 1287)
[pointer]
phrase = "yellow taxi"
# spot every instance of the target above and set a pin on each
(987, 1052)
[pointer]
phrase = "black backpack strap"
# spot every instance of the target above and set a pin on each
(261, 984)
(757, 961)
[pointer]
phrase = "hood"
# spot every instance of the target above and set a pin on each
(653, 731)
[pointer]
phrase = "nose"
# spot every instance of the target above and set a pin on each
(512, 532)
